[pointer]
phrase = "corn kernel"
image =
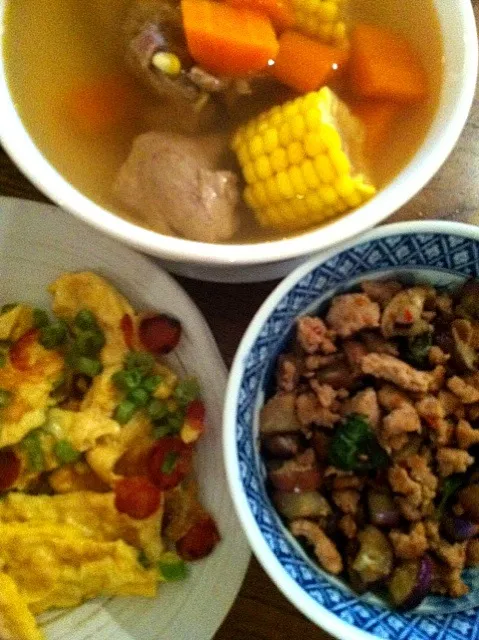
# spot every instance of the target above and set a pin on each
(300, 209)
(340, 161)
(260, 194)
(262, 168)
(290, 110)
(243, 155)
(299, 185)
(272, 191)
(249, 173)
(324, 169)
(354, 199)
(297, 127)
(295, 153)
(328, 194)
(330, 137)
(279, 160)
(276, 119)
(270, 214)
(285, 211)
(237, 140)
(285, 187)
(313, 202)
(313, 119)
(285, 134)
(256, 147)
(249, 197)
(344, 186)
(309, 174)
(270, 140)
(313, 144)
(250, 130)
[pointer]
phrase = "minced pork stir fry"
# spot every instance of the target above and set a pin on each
(370, 438)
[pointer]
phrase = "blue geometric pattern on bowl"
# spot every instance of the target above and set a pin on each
(442, 260)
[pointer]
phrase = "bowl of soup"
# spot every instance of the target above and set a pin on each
(232, 138)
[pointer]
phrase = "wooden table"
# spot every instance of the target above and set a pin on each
(260, 611)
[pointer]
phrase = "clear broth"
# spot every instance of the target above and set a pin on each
(51, 44)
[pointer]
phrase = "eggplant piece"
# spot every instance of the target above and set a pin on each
(278, 415)
(374, 561)
(282, 446)
(457, 529)
(299, 475)
(383, 511)
(310, 504)
(464, 354)
(469, 500)
(411, 582)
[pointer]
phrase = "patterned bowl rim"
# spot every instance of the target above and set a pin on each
(317, 613)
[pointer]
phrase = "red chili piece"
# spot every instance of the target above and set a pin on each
(200, 540)
(169, 462)
(20, 351)
(160, 334)
(10, 466)
(137, 497)
(126, 325)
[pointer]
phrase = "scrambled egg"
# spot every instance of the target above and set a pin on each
(59, 550)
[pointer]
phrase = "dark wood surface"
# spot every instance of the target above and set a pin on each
(260, 611)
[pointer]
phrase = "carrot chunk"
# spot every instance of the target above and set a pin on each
(377, 117)
(280, 12)
(228, 40)
(98, 105)
(385, 66)
(305, 64)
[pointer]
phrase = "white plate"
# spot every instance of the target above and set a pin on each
(37, 243)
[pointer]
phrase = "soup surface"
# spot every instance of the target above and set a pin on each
(53, 46)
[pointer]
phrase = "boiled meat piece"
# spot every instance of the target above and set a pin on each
(171, 181)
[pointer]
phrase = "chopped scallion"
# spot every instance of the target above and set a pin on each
(169, 462)
(85, 320)
(157, 409)
(140, 360)
(127, 380)
(124, 411)
(40, 318)
(53, 335)
(172, 567)
(186, 391)
(65, 452)
(138, 396)
(5, 398)
(32, 445)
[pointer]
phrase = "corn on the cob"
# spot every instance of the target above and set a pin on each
(322, 19)
(300, 162)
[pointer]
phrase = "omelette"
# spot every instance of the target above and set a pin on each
(97, 437)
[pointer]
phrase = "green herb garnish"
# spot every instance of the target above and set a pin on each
(186, 391)
(65, 452)
(5, 398)
(354, 446)
(169, 462)
(54, 334)
(141, 361)
(171, 567)
(40, 318)
(32, 445)
(85, 320)
(418, 349)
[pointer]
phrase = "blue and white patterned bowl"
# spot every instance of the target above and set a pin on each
(441, 253)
